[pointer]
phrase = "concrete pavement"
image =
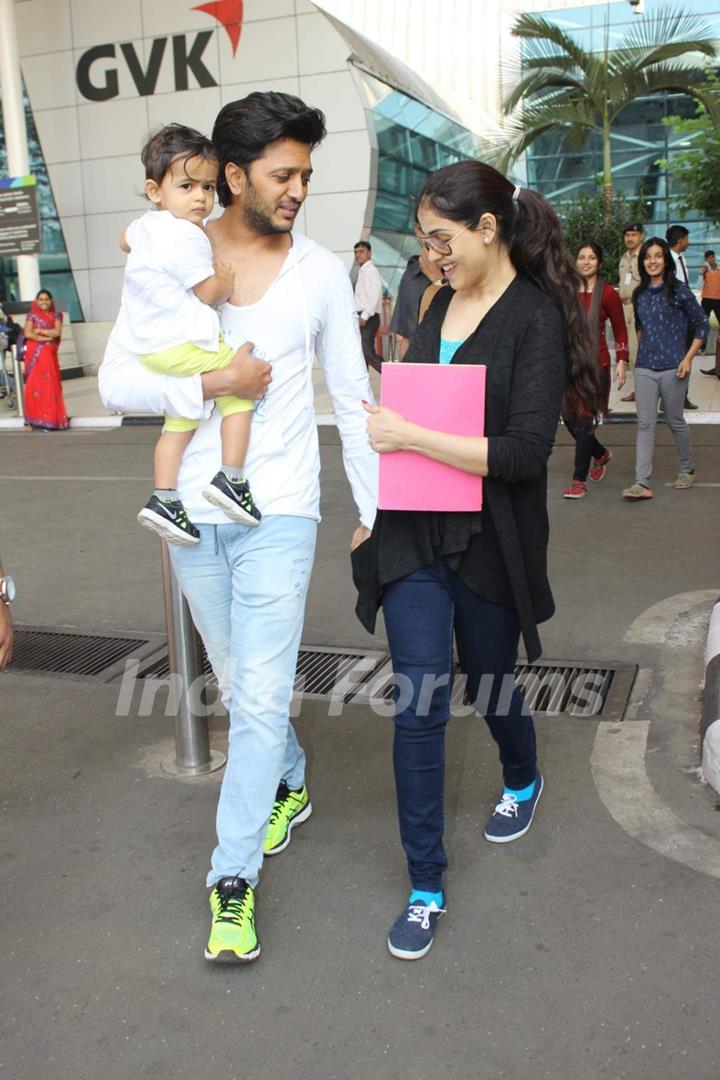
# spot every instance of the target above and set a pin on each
(586, 950)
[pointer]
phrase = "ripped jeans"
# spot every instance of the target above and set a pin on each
(246, 588)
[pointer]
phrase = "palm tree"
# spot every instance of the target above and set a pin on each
(567, 88)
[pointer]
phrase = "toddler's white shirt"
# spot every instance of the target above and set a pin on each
(168, 256)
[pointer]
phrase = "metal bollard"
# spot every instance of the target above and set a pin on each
(193, 755)
(19, 385)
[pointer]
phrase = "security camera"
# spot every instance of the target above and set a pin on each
(638, 6)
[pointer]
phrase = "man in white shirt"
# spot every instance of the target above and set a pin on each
(368, 301)
(247, 587)
(678, 238)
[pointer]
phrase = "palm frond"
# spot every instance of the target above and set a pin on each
(575, 117)
(669, 26)
(541, 85)
(519, 141)
(622, 61)
(535, 28)
(623, 90)
(671, 33)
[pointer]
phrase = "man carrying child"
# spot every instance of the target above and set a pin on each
(246, 586)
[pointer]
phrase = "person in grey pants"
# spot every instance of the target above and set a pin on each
(665, 311)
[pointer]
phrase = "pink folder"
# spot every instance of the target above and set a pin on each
(445, 397)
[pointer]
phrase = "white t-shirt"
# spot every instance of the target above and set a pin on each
(168, 256)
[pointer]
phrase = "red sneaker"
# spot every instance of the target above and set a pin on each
(598, 467)
(576, 490)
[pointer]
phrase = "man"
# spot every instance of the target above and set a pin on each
(710, 302)
(368, 302)
(678, 238)
(418, 275)
(629, 279)
(247, 587)
(7, 595)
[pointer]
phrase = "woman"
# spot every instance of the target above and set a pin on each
(601, 302)
(44, 404)
(666, 315)
(512, 304)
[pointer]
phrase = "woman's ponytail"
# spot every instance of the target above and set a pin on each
(537, 249)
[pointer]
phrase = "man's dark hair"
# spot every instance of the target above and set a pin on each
(675, 233)
(244, 129)
(362, 244)
(170, 143)
(708, 254)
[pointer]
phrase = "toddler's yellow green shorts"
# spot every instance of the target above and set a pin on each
(189, 359)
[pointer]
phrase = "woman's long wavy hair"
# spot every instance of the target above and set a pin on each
(669, 272)
(531, 231)
(597, 293)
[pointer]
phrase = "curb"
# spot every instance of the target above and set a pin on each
(699, 417)
(12, 423)
(710, 724)
(321, 419)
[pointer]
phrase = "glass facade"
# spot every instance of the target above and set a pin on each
(55, 271)
(413, 141)
(639, 138)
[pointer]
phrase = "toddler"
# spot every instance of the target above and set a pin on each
(167, 318)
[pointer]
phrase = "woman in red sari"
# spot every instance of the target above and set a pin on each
(44, 404)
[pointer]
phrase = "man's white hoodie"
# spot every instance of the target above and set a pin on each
(308, 310)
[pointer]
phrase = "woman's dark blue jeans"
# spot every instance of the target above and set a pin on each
(421, 612)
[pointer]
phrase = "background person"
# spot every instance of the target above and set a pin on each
(710, 302)
(629, 279)
(667, 315)
(601, 303)
(415, 280)
(678, 239)
(512, 304)
(368, 301)
(44, 402)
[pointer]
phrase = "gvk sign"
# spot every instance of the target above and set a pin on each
(98, 80)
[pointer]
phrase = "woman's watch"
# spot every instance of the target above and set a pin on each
(7, 589)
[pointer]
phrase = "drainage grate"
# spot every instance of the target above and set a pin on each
(551, 688)
(160, 667)
(563, 687)
(320, 670)
(61, 652)
(359, 676)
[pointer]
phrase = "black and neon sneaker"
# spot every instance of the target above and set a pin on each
(168, 518)
(233, 938)
(290, 809)
(234, 498)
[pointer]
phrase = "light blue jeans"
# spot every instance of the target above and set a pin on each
(246, 588)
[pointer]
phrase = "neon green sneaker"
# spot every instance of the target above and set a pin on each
(290, 809)
(232, 934)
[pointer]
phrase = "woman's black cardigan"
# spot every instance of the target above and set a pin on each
(501, 552)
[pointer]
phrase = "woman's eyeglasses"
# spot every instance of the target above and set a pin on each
(434, 243)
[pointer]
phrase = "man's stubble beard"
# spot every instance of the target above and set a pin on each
(256, 217)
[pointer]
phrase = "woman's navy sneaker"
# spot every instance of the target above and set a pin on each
(412, 932)
(511, 818)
